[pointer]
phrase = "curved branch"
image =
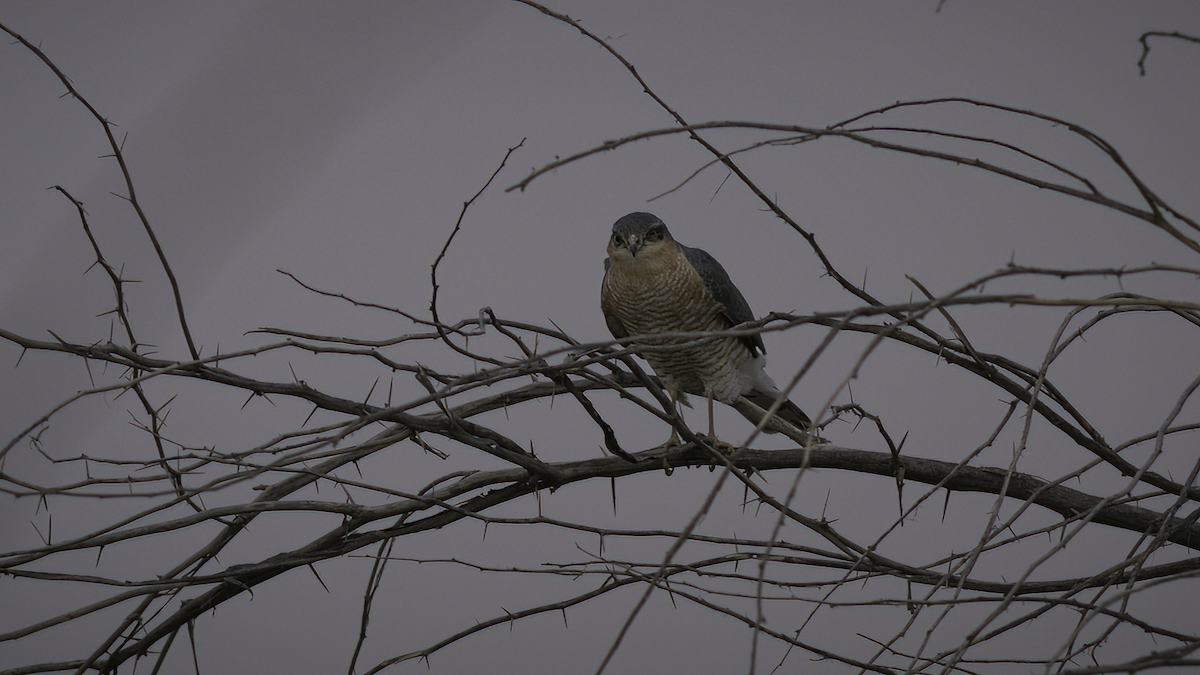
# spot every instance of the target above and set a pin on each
(132, 196)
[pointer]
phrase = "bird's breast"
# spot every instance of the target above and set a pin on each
(672, 298)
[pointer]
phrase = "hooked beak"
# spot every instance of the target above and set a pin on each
(633, 246)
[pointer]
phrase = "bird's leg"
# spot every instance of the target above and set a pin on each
(678, 411)
(712, 433)
(674, 439)
(719, 446)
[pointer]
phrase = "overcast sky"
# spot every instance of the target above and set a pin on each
(339, 141)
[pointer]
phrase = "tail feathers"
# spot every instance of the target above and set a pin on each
(789, 420)
(789, 412)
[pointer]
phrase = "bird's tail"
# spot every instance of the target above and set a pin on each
(789, 420)
(789, 412)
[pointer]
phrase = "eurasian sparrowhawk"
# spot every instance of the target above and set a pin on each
(653, 285)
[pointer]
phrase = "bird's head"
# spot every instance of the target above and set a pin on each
(640, 237)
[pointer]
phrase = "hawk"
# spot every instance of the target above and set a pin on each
(654, 285)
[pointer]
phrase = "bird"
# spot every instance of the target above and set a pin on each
(652, 285)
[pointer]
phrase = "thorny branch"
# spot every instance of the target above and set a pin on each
(1117, 489)
(131, 195)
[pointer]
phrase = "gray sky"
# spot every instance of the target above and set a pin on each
(338, 142)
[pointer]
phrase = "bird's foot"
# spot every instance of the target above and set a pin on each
(667, 469)
(672, 442)
(718, 445)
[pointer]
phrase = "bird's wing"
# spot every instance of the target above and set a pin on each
(718, 283)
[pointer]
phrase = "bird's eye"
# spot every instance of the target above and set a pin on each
(654, 235)
(618, 240)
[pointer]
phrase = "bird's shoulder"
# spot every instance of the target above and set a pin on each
(717, 281)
